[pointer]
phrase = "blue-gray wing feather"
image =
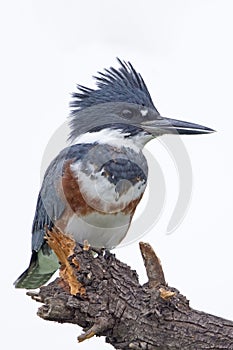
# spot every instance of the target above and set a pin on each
(50, 206)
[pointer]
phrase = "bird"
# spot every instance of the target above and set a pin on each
(91, 189)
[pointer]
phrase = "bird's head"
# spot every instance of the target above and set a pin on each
(122, 103)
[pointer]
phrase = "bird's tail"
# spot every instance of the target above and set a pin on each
(41, 268)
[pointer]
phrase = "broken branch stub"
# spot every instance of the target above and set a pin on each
(127, 314)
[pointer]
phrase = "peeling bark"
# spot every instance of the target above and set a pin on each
(127, 314)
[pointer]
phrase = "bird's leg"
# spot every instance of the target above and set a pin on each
(86, 246)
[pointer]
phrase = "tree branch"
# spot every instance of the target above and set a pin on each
(106, 299)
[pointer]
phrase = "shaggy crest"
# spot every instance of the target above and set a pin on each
(114, 85)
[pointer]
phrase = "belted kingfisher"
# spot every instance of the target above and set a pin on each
(92, 188)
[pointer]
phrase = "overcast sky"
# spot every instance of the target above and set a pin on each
(183, 49)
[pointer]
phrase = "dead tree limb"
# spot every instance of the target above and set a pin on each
(106, 299)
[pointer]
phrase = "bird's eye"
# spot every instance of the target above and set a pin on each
(127, 113)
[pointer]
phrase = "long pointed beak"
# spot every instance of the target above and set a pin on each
(161, 126)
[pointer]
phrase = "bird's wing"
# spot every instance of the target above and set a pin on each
(51, 204)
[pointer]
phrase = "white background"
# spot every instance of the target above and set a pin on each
(183, 49)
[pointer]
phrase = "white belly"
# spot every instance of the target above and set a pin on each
(100, 230)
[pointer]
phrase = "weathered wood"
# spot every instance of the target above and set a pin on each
(130, 315)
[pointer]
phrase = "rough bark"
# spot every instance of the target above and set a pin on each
(112, 303)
